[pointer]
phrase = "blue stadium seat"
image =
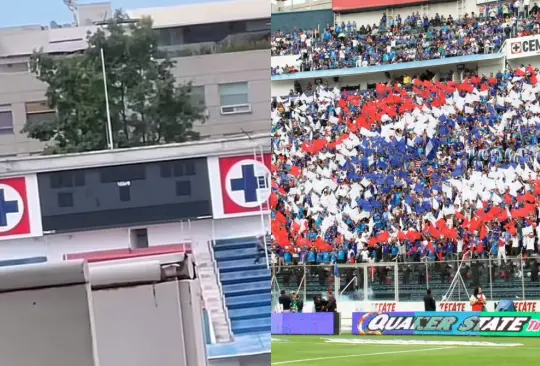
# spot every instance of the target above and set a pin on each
(246, 285)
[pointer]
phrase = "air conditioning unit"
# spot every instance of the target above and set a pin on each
(236, 109)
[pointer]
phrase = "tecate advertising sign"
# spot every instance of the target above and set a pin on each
(444, 324)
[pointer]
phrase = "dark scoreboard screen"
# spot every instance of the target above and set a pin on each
(126, 195)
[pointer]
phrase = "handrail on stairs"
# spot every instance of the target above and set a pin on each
(210, 244)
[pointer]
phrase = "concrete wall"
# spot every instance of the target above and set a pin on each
(152, 322)
(55, 246)
(46, 315)
(256, 360)
(299, 5)
(211, 70)
(312, 19)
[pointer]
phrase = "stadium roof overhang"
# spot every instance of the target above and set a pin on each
(231, 146)
(429, 64)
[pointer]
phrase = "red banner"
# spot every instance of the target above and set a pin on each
(349, 5)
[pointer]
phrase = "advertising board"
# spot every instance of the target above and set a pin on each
(523, 47)
(305, 323)
(447, 324)
(348, 306)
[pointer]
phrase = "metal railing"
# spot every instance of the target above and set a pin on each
(401, 280)
(211, 244)
(210, 48)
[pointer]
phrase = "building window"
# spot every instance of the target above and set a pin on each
(39, 112)
(67, 179)
(6, 120)
(139, 238)
(65, 199)
(165, 170)
(170, 36)
(189, 168)
(124, 173)
(124, 193)
(183, 188)
(197, 95)
(14, 67)
(233, 94)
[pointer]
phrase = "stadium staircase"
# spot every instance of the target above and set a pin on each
(212, 292)
(246, 285)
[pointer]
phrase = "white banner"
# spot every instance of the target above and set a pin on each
(347, 307)
(523, 47)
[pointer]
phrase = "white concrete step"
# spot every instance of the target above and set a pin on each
(212, 293)
(215, 311)
(207, 269)
(209, 276)
(204, 257)
(221, 322)
(208, 287)
(214, 304)
(205, 265)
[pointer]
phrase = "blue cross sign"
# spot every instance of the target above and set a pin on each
(6, 207)
(249, 183)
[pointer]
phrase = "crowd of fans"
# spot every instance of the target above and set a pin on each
(412, 38)
(434, 172)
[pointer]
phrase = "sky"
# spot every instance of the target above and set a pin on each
(42, 12)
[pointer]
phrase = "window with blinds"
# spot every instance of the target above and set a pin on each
(37, 112)
(234, 98)
(6, 119)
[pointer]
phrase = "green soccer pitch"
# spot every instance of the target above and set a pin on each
(349, 350)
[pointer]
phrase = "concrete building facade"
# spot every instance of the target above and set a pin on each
(221, 48)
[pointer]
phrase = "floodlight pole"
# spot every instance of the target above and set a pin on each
(109, 124)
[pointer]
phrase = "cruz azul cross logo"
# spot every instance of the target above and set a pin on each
(246, 184)
(14, 217)
(515, 47)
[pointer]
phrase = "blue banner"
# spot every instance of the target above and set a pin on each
(303, 323)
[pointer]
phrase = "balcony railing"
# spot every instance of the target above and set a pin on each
(213, 48)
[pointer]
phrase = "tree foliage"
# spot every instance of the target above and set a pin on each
(147, 105)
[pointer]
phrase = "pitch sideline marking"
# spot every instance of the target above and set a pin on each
(361, 355)
(352, 344)
(408, 342)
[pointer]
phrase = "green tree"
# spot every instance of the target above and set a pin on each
(147, 105)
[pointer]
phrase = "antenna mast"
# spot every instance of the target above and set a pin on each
(72, 6)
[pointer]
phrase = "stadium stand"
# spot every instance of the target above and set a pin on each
(415, 172)
(246, 284)
(402, 39)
